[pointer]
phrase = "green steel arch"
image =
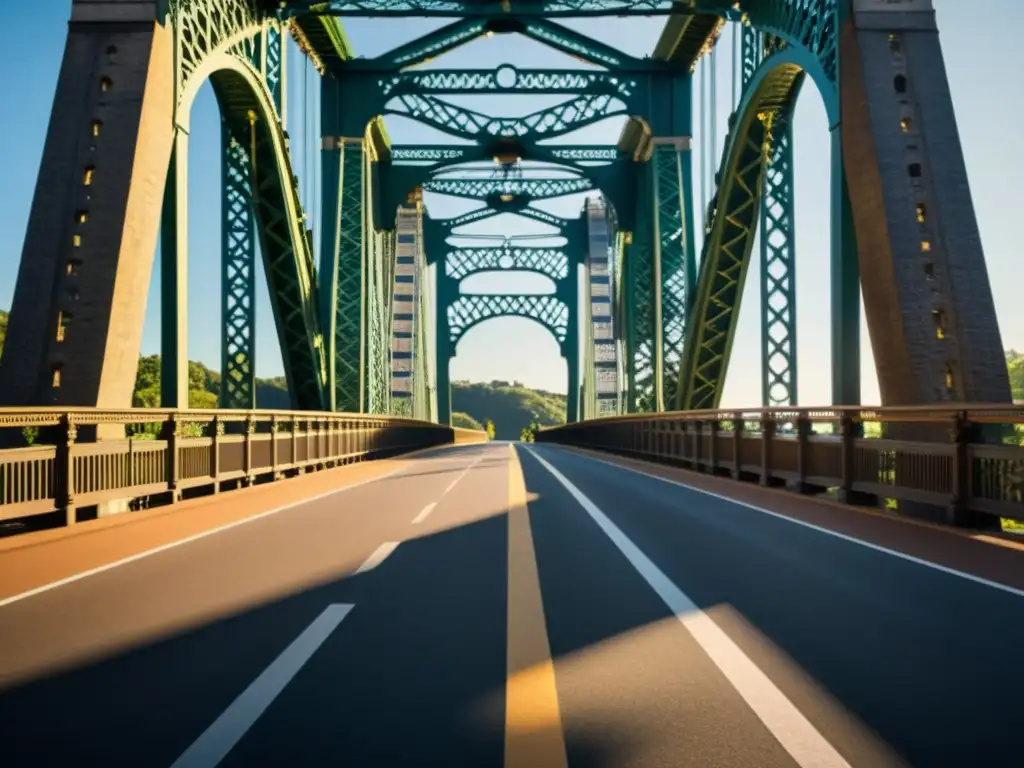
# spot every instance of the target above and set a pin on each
(222, 47)
(731, 226)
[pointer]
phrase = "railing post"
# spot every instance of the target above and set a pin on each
(737, 446)
(217, 429)
(848, 435)
(250, 428)
(767, 435)
(321, 448)
(273, 449)
(295, 444)
(803, 433)
(693, 443)
(713, 457)
(961, 436)
(64, 475)
(171, 431)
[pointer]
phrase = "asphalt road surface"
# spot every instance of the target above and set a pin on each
(499, 605)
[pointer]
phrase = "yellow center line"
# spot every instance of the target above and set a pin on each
(533, 722)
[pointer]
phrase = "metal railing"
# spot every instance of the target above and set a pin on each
(146, 453)
(966, 459)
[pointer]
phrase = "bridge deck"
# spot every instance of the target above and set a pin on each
(469, 607)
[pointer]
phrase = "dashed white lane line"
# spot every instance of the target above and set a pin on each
(220, 738)
(462, 474)
(423, 513)
(379, 555)
(780, 716)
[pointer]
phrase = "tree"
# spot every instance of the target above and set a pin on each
(465, 421)
(529, 433)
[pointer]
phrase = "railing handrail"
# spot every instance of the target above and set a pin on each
(86, 416)
(975, 412)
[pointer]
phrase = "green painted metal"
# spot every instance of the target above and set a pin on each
(511, 80)
(640, 313)
(675, 260)
(443, 8)
(778, 272)
(481, 214)
(729, 238)
(468, 311)
(569, 116)
(460, 263)
(789, 40)
(238, 278)
(532, 188)
(778, 242)
(229, 43)
(349, 311)
(238, 239)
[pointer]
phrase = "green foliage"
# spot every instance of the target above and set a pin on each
(203, 387)
(529, 432)
(3, 329)
(465, 421)
(510, 406)
(1015, 366)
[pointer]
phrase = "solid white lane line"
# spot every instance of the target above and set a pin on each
(462, 475)
(379, 555)
(820, 529)
(226, 731)
(423, 514)
(785, 722)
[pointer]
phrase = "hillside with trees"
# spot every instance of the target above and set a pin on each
(510, 405)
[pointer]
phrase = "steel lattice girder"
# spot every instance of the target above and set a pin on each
(463, 262)
(533, 189)
(465, 312)
(508, 79)
(778, 272)
(238, 279)
(778, 244)
(641, 315)
(288, 262)
(481, 214)
(676, 260)
(810, 24)
(513, 8)
(728, 242)
(238, 240)
(378, 284)
(550, 123)
(458, 33)
(448, 155)
(348, 301)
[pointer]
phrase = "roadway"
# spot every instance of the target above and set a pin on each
(499, 605)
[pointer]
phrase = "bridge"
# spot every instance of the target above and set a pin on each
(659, 581)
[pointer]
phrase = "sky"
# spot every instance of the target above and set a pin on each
(980, 61)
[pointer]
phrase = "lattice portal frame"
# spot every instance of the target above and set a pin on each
(468, 311)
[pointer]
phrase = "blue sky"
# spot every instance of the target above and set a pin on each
(979, 57)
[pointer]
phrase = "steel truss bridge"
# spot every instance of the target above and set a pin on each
(370, 325)
(608, 594)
